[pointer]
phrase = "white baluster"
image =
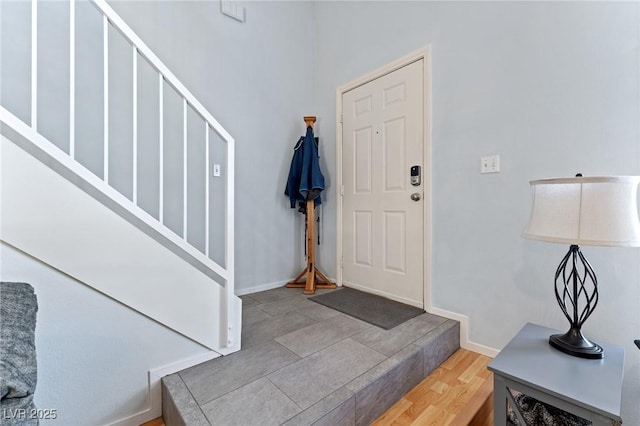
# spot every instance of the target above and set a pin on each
(105, 39)
(184, 169)
(206, 190)
(135, 124)
(161, 140)
(34, 65)
(72, 79)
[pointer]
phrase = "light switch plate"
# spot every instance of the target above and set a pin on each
(490, 164)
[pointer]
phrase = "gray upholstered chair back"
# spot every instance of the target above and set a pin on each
(18, 367)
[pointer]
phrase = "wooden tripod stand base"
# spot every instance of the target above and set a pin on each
(314, 279)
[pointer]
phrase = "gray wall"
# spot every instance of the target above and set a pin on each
(553, 88)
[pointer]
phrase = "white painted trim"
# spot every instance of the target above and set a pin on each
(230, 214)
(72, 79)
(34, 64)
(62, 158)
(465, 343)
(135, 123)
(185, 186)
(262, 287)
(155, 388)
(340, 187)
(268, 286)
(207, 186)
(233, 329)
(423, 54)
(105, 41)
(427, 173)
(234, 311)
(410, 58)
(161, 148)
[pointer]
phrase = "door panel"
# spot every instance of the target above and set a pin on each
(363, 238)
(394, 141)
(383, 228)
(395, 242)
(362, 166)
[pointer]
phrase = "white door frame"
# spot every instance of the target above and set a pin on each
(425, 55)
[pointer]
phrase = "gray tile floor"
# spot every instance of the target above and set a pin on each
(304, 363)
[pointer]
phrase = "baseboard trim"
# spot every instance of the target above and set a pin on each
(465, 343)
(267, 286)
(155, 388)
(261, 287)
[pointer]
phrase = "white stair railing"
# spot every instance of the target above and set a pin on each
(140, 52)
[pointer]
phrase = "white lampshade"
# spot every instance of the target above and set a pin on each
(597, 211)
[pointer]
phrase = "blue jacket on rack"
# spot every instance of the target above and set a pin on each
(305, 180)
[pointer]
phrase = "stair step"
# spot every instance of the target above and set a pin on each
(358, 401)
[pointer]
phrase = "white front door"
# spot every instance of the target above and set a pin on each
(382, 212)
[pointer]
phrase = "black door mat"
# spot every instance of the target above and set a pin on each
(367, 307)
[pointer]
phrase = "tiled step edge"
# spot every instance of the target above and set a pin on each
(387, 384)
(335, 409)
(359, 402)
(179, 408)
(368, 396)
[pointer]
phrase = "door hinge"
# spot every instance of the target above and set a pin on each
(342, 190)
(342, 262)
(341, 118)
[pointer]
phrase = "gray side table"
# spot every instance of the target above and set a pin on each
(588, 388)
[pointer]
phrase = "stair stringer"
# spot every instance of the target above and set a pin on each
(55, 221)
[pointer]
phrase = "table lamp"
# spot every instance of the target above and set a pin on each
(593, 211)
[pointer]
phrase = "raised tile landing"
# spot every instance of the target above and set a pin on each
(302, 363)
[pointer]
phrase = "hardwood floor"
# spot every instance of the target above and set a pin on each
(457, 393)
(154, 422)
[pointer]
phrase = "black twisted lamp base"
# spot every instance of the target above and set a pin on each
(574, 343)
(576, 289)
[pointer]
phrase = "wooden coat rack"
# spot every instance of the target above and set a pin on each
(310, 278)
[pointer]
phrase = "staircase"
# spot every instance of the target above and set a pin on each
(114, 173)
